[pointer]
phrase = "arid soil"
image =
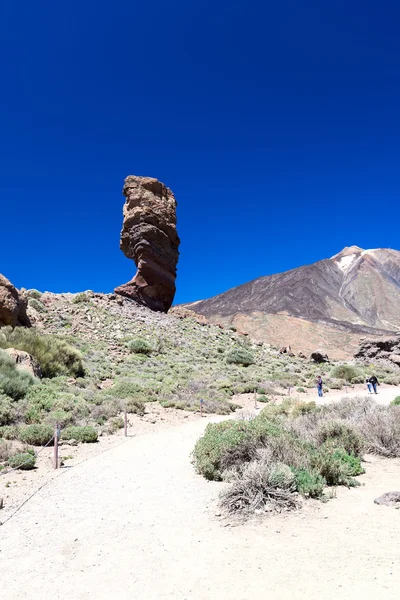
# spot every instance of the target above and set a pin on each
(138, 522)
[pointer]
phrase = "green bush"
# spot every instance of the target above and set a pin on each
(396, 401)
(23, 460)
(85, 434)
(346, 372)
(300, 390)
(36, 435)
(37, 305)
(55, 355)
(81, 297)
(239, 356)
(263, 398)
(342, 435)
(34, 294)
(13, 382)
(7, 410)
(140, 346)
(336, 466)
(9, 432)
(309, 482)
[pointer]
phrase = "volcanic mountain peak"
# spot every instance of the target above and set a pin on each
(356, 291)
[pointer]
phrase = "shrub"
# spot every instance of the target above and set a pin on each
(380, 427)
(81, 297)
(7, 411)
(239, 356)
(34, 294)
(302, 408)
(9, 432)
(36, 435)
(300, 390)
(309, 482)
(342, 435)
(346, 372)
(55, 355)
(37, 305)
(263, 398)
(5, 450)
(396, 401)
(140, 346)
(335, 467)
(258, 486)
(85, 434)
(23, 460)
(13, 383)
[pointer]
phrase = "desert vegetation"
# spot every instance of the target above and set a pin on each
(100, 355)
(294, 449)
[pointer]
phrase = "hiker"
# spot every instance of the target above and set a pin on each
(369, 385)
(374, 382)
(320, 385)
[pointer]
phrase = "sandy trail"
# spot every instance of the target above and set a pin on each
(137, 522)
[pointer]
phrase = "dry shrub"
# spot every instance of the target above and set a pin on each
(381, 430)
(260, 485)
(5, 450)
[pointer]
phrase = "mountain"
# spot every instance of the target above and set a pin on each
(327, 304)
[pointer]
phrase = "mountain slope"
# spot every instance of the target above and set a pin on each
(356, 291)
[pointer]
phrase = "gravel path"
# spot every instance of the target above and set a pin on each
(137, 522)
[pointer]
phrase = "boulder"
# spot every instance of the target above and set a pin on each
(25, 361)
(149, 237)
(389, 499)
(13, 305)
(319, 357)
(301, 355)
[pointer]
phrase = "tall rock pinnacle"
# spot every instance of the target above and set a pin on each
(150, 238)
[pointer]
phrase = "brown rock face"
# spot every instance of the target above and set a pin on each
(150, 238)
(24, 361)
(12, 305)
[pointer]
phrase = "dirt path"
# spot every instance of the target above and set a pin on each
(137, 522)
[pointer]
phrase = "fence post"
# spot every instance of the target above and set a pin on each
(201, 407)
(125, 423)
(56, 447)
(255, 399)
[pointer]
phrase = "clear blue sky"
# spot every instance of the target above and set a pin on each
(276, 124)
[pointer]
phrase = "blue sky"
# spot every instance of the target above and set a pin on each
(276, 124)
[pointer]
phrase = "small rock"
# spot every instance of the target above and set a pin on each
(389, 499)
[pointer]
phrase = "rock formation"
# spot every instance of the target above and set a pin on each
(150, 238)
(25, 361)
(12, 305)
(380, 349)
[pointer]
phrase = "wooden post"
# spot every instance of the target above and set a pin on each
(56, 447)
(290, 388)
(255, 399)
(125, 423)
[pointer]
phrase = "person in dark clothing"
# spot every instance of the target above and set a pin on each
(320, 386)
(374, 382)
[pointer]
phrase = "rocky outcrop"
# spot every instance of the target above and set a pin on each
(380, 349)
(13, 305)
(181, 312)
(150, 238)
(25, 362)
(319, 357)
